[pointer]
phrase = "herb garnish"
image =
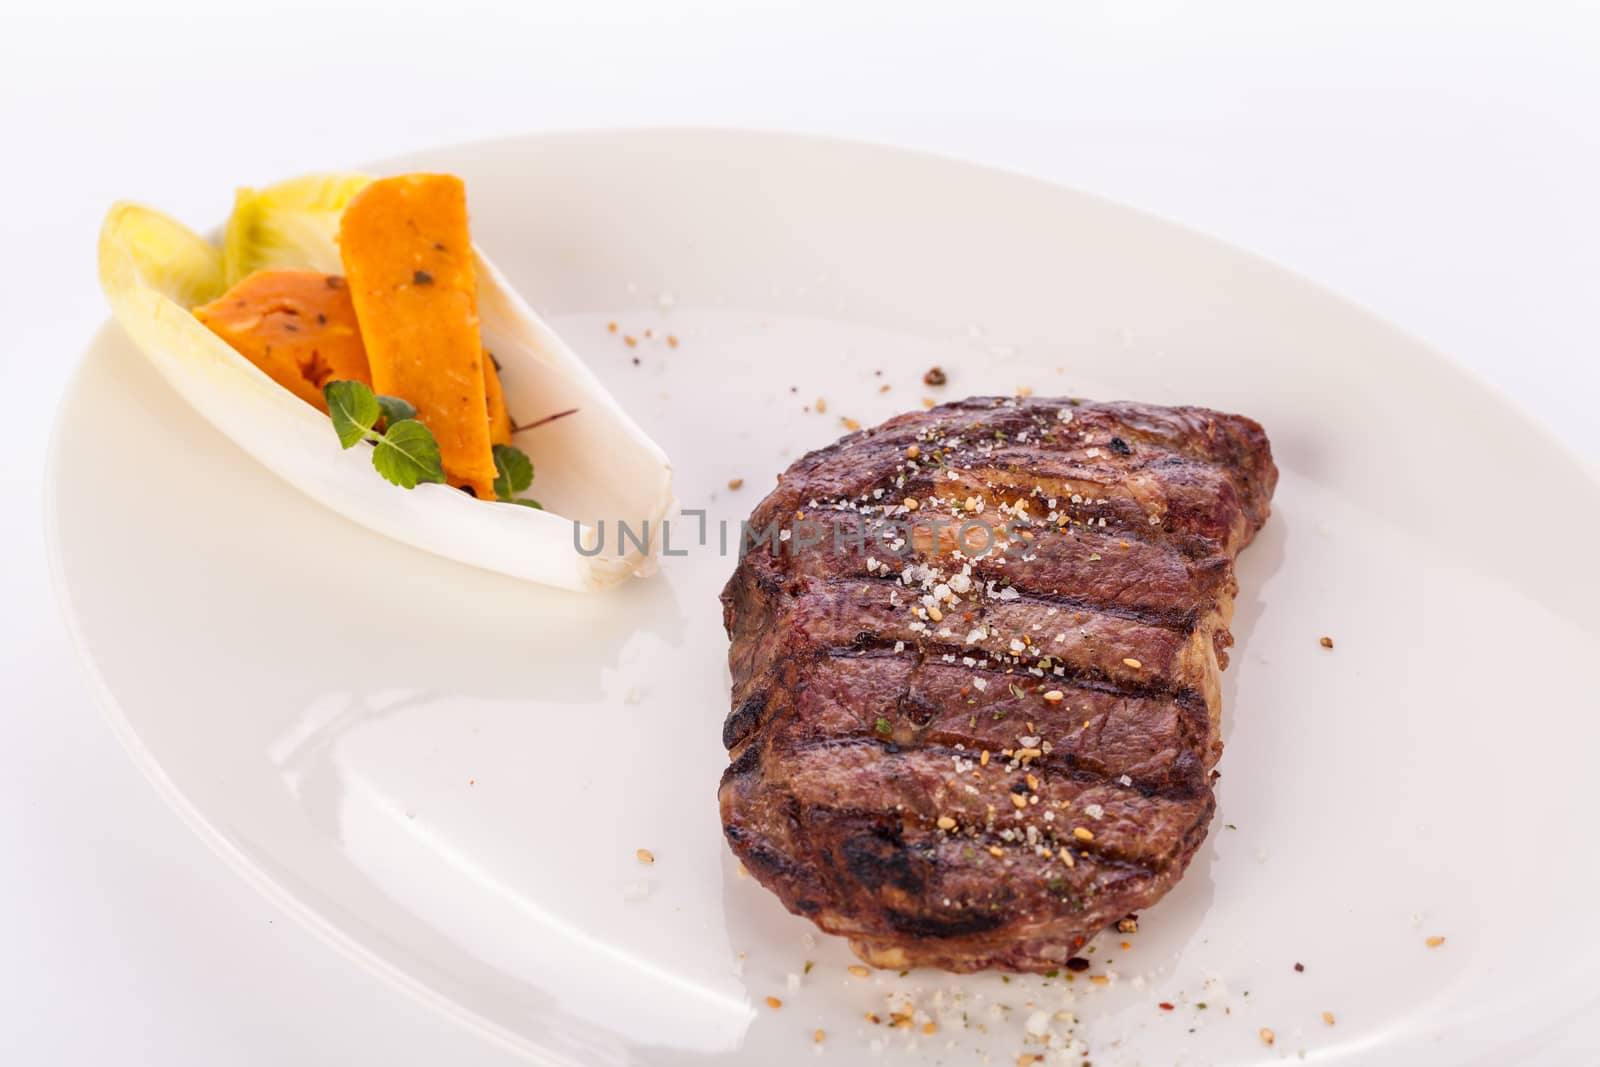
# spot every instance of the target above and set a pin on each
(513, 472)
(405, 453)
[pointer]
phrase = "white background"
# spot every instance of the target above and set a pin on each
(1437, 162)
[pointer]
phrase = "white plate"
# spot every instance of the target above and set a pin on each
(447, 772)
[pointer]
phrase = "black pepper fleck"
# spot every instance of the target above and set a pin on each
(422, 277)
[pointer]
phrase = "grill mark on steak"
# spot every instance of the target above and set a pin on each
(1097, 698)
(1181, 621)
(1074, 677)
(857, 727)
(1180, 784)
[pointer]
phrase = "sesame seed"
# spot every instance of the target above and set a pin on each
(1434, 942)
(913, 452)
(1082, 834)
(995, 851)
(1327, 1017)
(1055, 696)
(1018, 800)
(858, 970)
(1129, 661)
(1326, 642)
(774, 1003)
(983, 758)
(946, 823)
(1066, 857)
(1267, 1036)
(819, 1036)
(850, 424)
(644, 855)
(822, 406)
(735, 483)
(911, 503)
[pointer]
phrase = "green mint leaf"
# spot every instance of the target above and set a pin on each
(394, 409)
(527, 502)
(408, 454)
(513, 471)
(353, 409)
(885, 727)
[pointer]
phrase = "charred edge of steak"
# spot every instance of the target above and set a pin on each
(743, 720)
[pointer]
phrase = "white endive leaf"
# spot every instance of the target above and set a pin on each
(290, 224)
(594, 465)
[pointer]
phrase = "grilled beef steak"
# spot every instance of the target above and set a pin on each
(978, 736)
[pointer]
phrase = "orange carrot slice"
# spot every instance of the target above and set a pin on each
(408, 258)
(298, 326)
